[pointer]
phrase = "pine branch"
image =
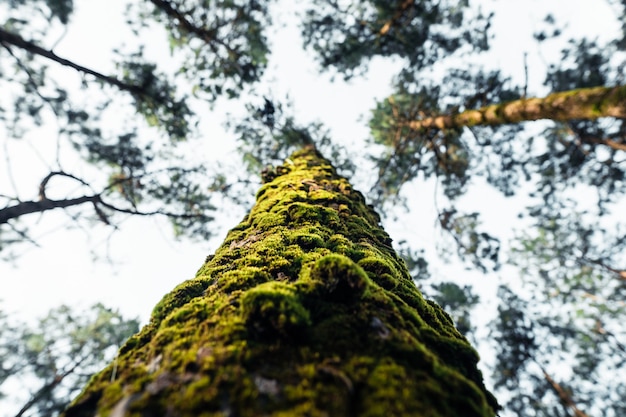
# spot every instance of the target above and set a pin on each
(584, 103)
(187, 26)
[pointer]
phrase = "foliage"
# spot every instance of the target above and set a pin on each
(137, 172)
(54, 358)
(270, 133)
(223, 43)
(567, 306)
(573, 315)
(345, 35)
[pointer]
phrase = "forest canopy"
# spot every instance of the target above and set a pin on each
(97, 141)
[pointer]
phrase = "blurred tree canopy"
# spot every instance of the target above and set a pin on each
(556, 333)
(53, 359)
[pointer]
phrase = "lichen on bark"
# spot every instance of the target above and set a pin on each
(305, 310)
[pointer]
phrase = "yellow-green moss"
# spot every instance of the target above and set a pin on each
(305, 310)
(274, 310)
(337, 278)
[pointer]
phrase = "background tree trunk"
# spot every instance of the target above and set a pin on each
(305, 309)
(583, 103)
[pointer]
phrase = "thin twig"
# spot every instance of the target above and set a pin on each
(563, 395)
(48, 387)
(43, 184)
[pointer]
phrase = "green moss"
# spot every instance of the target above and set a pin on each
(307, 240)
(242, 278)
(339, 279)
(302, 213)
(325, 196)
(305, 310)
(381, 271)
(339, 244)
(182, 294)
(269, 220)
(273, 309)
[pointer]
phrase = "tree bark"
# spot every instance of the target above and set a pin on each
(584, 103)
(305, 310)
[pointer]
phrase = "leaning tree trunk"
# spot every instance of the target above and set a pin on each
(584, 103)
(305, 310)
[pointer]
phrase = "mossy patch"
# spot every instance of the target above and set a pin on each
(242, 278)
(307, 240)
(303, 213)
(182, 294)
(274, 310)
(381, 271)
(337, 278)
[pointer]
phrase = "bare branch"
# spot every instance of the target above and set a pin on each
(49, 386)
(23, 235)
(147, 213)
(619, 272)
(8, 38)
(563, 395)
(44, 203)
(44, 182)
(607, 142)
(28, 207)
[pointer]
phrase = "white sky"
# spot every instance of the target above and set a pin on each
(148, 262)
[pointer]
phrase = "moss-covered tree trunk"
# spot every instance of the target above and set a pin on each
(305, 310)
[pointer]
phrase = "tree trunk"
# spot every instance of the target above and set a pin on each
(305, 310)
(584, 103)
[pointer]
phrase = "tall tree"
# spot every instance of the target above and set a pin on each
(444, 74)
(305, 309)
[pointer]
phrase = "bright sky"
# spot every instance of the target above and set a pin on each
(148, 262)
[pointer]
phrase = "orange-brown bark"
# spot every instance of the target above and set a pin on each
(584, 103)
